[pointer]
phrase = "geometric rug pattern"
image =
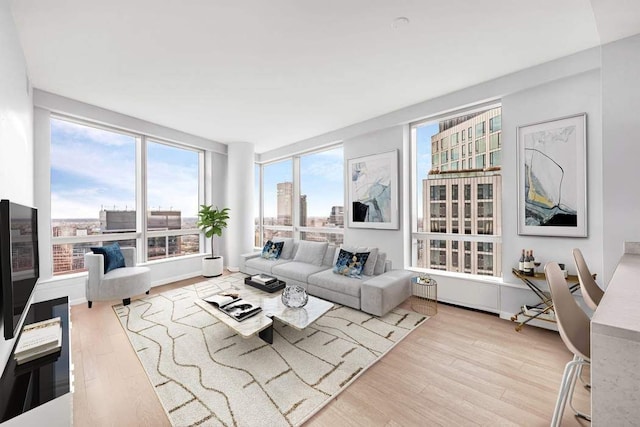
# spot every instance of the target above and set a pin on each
(206, 374)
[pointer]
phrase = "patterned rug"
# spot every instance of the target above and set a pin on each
(205, 374)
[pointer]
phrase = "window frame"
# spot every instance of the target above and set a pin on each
(141, 234)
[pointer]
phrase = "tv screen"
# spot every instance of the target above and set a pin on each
(19, 262)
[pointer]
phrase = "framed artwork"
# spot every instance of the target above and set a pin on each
(373, 191)
(552, 180)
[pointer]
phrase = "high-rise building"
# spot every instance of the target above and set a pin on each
(303, 210)
(285, 208)
(461, 196)
(337, 216)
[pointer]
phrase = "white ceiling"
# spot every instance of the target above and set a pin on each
(280, 71)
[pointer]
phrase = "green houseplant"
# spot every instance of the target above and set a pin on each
(212, 221)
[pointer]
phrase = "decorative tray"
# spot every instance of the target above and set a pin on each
(271, 287)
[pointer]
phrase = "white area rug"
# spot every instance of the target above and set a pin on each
(205, 374)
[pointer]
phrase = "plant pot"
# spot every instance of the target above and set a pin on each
(212, 267)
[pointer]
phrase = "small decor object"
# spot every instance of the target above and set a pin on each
(425, 295)
(272, 250)
(552, 181)
(373, 191)
(294, 296)
(350, 264)
(212, 221)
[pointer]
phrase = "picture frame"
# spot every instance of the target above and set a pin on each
(552, 180)
(373, 191)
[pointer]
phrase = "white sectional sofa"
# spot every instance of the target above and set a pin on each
(310, 265)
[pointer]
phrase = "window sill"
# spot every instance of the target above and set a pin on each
(463, 276)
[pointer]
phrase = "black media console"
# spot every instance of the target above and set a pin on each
(30, 385)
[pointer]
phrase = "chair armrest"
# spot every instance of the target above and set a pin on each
(129, 256)
(94, 264)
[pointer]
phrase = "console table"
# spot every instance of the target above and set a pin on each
(39, 392)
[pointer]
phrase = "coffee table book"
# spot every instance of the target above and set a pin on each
(39, 339)
(233, 306)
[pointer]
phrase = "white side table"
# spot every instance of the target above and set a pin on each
(425, 296)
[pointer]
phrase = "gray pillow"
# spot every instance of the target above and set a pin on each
(329, 255)
(287, 250)
(380, 263)
(311, 252)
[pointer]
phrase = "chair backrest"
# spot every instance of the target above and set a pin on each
(573, 323)
(591, 292)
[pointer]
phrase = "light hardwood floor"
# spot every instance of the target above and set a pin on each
(461, 367)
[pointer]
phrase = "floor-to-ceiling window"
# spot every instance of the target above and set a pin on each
(98, 188)
(303, 197)
(456, 217)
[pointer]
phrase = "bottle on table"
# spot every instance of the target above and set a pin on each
(521, 263)
(528, 265)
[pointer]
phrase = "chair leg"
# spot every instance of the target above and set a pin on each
(565, 387)
(580, 363)
(126, 301)
(148, 292)
(90, 303)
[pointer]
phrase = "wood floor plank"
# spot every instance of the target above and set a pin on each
(461, 367)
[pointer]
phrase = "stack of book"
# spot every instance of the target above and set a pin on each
(39, 339)
(233, 305)
(264, 279)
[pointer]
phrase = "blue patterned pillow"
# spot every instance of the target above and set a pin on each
(272, 250)
(112, 254)
(350, 264)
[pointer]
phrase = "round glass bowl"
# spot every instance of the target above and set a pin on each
(294, 296)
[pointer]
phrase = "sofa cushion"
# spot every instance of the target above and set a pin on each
(380, 264)
(295, 270)
(311, 252)
(327, 279)
(350, 264)
(287, 249)
(112, 254)
(266, 265)
(272, 250)
(329, 256)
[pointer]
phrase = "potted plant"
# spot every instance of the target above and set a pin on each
(212, 221)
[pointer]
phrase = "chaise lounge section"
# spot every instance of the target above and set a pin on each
(310, 265)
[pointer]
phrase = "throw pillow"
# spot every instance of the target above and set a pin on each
(272, 250)
(380, 263)
(287, 249)
(350, 264)
(311, 252)
(112, 255)
(368, 269)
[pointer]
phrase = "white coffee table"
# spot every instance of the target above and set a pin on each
(272, 308)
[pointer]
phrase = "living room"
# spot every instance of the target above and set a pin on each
(594, 76)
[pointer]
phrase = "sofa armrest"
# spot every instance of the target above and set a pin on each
(384, 292)
(94, 264)
(246, 257)
(129, 256)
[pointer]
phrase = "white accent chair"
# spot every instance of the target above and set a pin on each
(121, 283)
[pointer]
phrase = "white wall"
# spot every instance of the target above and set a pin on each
(621, 153)
(389, 241)
(16, 128)
(569, 85)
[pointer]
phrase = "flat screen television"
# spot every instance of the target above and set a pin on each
(19, 262)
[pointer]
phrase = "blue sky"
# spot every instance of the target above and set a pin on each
(91, 168)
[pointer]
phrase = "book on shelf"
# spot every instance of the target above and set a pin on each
(233, 306)
(264, 279)
(38, 340)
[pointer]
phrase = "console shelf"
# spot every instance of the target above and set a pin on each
(39, 391)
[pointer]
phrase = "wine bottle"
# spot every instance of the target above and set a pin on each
(521, 263)
(528, 265)
(533, 264)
